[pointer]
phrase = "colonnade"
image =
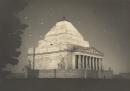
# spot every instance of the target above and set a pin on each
(88, 62)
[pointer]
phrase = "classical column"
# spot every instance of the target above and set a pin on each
(91, 63)
(101, 64)
(79, 62)
(76, 61)
(97, 64)
(85, 62)
(94, 62)
(88, 62)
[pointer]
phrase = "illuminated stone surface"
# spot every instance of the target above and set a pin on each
(59, 47)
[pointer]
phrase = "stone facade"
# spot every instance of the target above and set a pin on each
(64, 49)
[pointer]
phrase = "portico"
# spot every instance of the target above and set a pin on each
(88, 62)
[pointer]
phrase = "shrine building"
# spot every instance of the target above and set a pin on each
(63, 53)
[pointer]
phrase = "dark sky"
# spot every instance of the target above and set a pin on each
(104, 23)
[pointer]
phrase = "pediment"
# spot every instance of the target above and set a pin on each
(90, 50)
(94, 51)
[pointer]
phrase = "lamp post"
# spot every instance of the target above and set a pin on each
(33, 55)
(33, 58)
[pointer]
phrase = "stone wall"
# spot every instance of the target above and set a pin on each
(82, 73)
(61, 74)
(75, 74)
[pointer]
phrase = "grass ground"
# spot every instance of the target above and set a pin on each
(65, 85)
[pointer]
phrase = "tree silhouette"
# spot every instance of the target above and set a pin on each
(11, 30)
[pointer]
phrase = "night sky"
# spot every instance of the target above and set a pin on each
(104, 23)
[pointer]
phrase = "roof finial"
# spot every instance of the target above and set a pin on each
(64, 18)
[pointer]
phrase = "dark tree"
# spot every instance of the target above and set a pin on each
(11, 30)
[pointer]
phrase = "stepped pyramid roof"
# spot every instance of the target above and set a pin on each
(63, 33)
